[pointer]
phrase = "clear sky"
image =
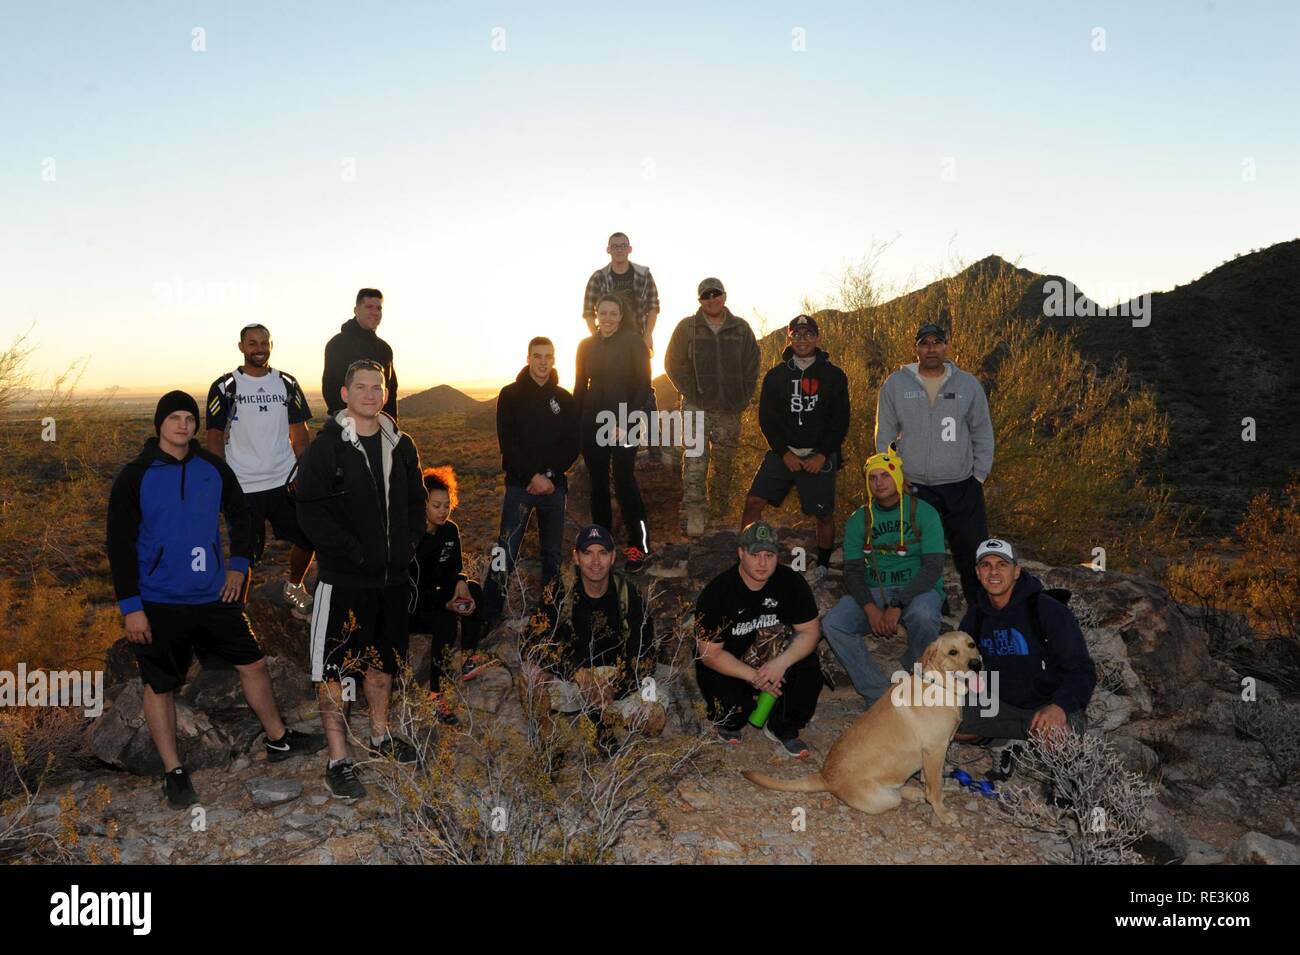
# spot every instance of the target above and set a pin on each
(470, 159)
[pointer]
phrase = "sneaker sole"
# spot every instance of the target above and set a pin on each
(343, 796)
(279, 755)
(802, 754)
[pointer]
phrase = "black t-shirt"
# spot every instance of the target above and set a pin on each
(728, 607)
(623, 289)
(372, 444)
(596, 637)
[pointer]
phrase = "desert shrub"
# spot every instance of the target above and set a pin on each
(54, 626)
(1098, 807)
(1276, 724)
(35, 741)
(528, 786)
(1071, 439)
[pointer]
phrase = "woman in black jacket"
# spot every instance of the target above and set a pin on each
(442, 596)
(613, 381)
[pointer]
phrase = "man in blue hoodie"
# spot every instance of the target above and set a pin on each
(174, 588)
(1033, 642)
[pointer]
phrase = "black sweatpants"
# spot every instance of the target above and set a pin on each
(961, 509)
(598, 460)
(731, 699)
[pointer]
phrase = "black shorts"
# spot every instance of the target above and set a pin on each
(353, 628)
(274, 505)
(816, 491)
(215, 629)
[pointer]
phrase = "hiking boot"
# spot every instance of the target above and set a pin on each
(342, 781)
(635, 560)
(298, 600)
(395, 748)
(443, 711)
(178, 789)
(293, 743)
(793, 747)
(475, 664)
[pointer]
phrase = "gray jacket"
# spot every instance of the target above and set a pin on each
(904, 415)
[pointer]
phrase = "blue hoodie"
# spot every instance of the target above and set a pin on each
(164, 529)
(1034, 669)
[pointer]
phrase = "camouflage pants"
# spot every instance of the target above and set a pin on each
(721, 437)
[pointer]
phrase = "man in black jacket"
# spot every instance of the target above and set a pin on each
(803, 410)
(1032, 643)
(361, 502)
(537, 429)
(357, 339)
(613, 380)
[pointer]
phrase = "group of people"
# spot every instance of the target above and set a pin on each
(357, 501)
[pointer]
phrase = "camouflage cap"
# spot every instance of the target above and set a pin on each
(759, 536)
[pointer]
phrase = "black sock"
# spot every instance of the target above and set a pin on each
(824, 556)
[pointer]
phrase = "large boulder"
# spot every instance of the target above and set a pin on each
(1142, 643)
(1255, 848)
(120, 737)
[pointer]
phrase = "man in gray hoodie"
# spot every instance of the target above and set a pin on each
(938, 415)
(712, 361)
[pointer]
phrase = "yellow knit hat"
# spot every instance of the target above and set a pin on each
(891, 462)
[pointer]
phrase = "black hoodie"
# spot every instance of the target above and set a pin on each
(1036, 666)
(358, 544)
(611, 371)
(351, 344)
(537, 428)
(805, 408)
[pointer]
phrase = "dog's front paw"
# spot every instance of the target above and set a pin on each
(946, 817)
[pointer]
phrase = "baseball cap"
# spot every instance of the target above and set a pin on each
(804, 323)
(930, 328)
(594, 534)
(710, 284)
(998, 548)
(759, 536)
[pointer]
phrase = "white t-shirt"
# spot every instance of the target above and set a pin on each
(256, 423)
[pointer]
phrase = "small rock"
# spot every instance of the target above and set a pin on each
(240, 764)
(688, 838)
(1218, 800)
(271, 792)
(1289, 829)
(696, 796)
(1255, 848)
(300, 820)
(972, 805)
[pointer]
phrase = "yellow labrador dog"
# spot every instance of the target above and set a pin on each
(906, 730)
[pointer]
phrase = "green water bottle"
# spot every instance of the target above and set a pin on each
(762, 710)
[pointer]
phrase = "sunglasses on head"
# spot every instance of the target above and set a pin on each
(710, 294)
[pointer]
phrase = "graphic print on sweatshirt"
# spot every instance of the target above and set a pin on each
(1005, 642)
(805, 394)
(256, 413)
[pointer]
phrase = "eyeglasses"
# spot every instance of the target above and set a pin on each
(620, 247)
(803, 336)
(711, 294)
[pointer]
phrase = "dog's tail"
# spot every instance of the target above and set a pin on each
(809, 784)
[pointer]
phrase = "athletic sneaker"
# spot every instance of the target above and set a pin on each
(394, 747)
(293, 743)
(442, 709)
(1005, 762)
(475, 664)
(298, 599)
(793, 747)
(729, 736)
(178, 789)
(342, 781)
(635, 560)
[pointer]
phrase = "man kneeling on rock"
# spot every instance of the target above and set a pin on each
(175, 589)
(1032, 641)
(590, 644)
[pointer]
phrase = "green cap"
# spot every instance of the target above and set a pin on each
(759, 536)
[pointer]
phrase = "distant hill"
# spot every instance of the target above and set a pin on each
(1217, 350)
(441, 399)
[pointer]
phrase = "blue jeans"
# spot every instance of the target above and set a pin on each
(846, 624)
(516, 508)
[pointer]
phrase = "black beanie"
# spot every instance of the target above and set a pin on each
(174, 401)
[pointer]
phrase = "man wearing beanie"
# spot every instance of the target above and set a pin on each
(803, 411)
(939, 417)
(175, 589)
(893, 571)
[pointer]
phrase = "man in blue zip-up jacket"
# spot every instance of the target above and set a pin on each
(174, 587)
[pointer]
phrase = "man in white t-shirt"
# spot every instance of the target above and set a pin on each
(257, 420)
